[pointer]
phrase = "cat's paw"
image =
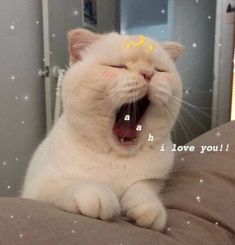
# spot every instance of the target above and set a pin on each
(97, 201)
(146, 212)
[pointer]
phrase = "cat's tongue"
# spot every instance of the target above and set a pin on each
(127, 118)
(125, 125)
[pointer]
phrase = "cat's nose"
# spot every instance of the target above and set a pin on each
(147, 74)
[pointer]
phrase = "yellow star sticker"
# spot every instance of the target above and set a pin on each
(141, 42)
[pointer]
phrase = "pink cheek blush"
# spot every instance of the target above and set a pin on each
(109, 75)
(164, 77)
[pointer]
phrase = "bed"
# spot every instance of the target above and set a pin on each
(199, 196)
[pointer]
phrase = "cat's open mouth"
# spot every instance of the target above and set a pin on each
(128, 119)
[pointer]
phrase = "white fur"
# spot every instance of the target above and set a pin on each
(80, 167)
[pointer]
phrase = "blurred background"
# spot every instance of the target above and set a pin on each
(33, 57)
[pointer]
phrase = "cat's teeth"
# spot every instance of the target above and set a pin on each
(133, 140)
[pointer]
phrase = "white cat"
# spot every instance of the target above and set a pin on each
(94, 162)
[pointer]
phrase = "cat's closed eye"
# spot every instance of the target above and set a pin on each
(121, 66)
(160, 70)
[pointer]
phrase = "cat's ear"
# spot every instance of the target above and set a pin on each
(173, 49)
(80, 39)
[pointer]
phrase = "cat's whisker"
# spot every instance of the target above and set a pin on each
(199, 108)
(163, 107)
(181, 123)
(186, 130)
(117, 104)
(104, 102)
(135, 108)
(107, 94)
(167, 113)
(188, 104)
(191, 116)
(180, 120)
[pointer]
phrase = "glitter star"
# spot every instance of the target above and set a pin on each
(198, 198)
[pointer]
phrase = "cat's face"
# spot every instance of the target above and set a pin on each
(121, 91)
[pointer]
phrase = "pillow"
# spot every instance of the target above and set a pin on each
(200, 194)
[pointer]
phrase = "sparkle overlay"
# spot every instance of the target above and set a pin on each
(140, 43)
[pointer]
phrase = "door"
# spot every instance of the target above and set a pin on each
(59, 17)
